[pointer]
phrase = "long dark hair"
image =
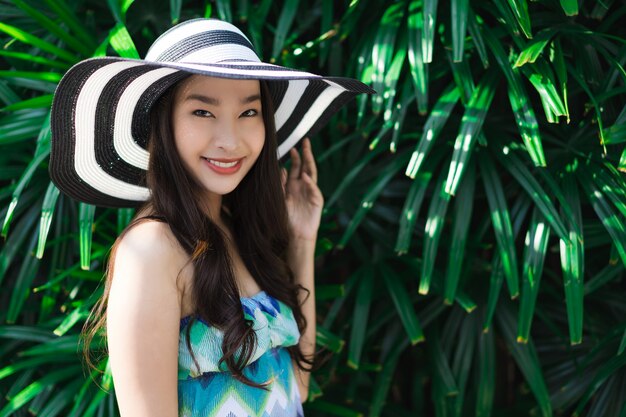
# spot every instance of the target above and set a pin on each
(259, 226)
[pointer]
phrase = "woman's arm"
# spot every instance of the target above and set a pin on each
(301, 254)
(143, 317)
(304, 205)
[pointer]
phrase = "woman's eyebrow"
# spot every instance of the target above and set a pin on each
(215, 102)
(251, 98)
(203, 98)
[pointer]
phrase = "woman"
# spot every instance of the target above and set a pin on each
(209, 298)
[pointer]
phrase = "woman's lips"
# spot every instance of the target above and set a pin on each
(224, 166)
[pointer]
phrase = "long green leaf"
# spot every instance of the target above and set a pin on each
(224, 10)
(47, 210)
(462, 214)
(462, 361)
(428, 29)
(419, 70)
(36, 387)
(495, 285)
(383, 51)
(403, 304)
(471, 124)
(570, 7)
(361, 312)
(596, 106)
(384, 379)
(605, 371)
(459, 10)
(35, 59)
(612, 221)
(539, 195)
(16, 239)
(60, 400)
(67, 15)
(411, 209)
(550, 98)
(463, 78)
(535, 248)
(36, 102)
(526, 358)
(23, 282)
(440, 364)
(50, 77)
(523, 111)
(535, 47)
(86, 225)
(485, 393)
(399, 114)
(352, 175)
(285, 21)
(20, 127)
(432, 233)
(520, 10)
(558, 61)
(372, 194)
(329, 340)
(7, 95)
(572, 263)
(392, 76)
(501, 221)
(47, 23)
(25, 37)
(175, 7)
(21, 185)
(122, 43)
(477, 38)
(35, 362)
(434, 124)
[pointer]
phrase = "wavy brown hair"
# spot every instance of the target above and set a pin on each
(257, 217)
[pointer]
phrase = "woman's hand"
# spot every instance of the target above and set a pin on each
(302, 195)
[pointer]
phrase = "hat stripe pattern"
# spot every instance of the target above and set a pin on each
(242, 71)
(185, 30)
(295, 91)
(323, 100)
(85, 162)
(197, 44)
(123, 140)
(101, 110)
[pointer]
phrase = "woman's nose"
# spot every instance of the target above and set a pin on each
(225, 136)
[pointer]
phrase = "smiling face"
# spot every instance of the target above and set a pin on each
(218, 130)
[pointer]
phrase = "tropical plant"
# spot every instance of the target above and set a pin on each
(493, 157)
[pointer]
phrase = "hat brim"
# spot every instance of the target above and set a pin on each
(100, 124)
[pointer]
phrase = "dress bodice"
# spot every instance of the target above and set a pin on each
(211, 390)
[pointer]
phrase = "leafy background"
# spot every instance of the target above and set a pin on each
(472, 252)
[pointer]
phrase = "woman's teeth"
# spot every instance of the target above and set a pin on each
(223, 164)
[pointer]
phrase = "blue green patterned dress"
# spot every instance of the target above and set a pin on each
(214, 392)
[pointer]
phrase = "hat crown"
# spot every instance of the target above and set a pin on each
(202, 41)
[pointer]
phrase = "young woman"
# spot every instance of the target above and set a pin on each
(209, 298)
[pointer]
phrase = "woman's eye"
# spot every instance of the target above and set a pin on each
(250, 113)
(202, 113)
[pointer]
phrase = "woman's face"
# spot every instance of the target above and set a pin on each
(218, 130)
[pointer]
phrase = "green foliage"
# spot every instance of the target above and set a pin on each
(494, 153)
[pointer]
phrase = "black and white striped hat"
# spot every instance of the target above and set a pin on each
(100, 112)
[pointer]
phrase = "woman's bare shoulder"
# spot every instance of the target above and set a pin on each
(151, 244)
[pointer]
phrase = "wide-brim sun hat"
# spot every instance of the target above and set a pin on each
(100, 111)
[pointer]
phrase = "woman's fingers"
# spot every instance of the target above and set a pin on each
(309, 162)
(296, 164)
(283, 179)
(306, 163)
